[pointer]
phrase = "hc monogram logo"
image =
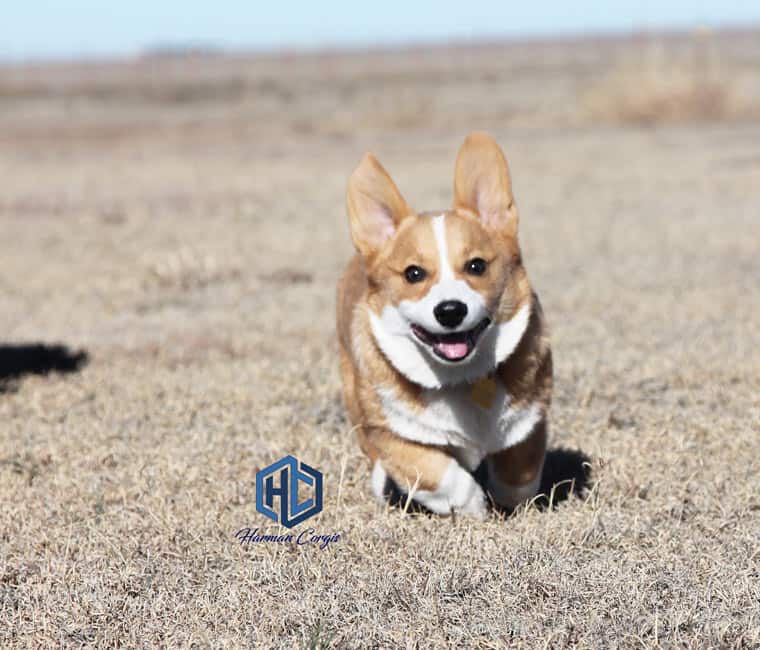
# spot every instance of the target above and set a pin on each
(292, 512)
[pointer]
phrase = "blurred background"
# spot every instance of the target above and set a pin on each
(393, 64)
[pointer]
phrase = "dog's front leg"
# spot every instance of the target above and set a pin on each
(514, 473)
(431, 476)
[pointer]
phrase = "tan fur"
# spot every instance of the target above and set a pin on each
(483, 223)
(519, 465)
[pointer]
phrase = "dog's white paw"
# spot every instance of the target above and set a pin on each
(457, 491)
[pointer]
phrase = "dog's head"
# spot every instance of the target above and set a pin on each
(448, 294)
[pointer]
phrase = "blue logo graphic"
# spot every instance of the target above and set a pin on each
(291, 473)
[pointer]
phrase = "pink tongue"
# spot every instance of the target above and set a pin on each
(452, 350)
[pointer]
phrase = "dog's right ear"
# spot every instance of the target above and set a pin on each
(375, 206)
(482, 184)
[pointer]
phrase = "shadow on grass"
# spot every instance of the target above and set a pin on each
(567, 472)
(17, 361)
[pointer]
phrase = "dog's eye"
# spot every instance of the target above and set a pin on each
(476, 266)
(414, 274)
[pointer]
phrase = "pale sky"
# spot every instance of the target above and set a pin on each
(36, 29)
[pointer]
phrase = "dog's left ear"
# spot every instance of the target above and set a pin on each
(482, 183)
(375, 206)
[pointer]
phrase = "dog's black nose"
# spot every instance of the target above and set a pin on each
(450, 313)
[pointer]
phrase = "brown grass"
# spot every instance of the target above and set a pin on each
(631, 95)
(664, 94)
(658, 87)
(193, 254)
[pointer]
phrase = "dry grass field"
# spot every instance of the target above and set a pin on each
(178, 225)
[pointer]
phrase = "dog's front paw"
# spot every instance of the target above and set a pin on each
(474, 503)
(511, 496)
(457, 491)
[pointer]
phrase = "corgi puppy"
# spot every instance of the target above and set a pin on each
(444, 351)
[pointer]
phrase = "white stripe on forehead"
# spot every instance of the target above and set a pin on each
(448, 287)
(391, 328)
(439, 229)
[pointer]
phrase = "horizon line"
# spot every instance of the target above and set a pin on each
(192, 47)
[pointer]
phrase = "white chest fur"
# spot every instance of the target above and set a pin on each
(450, 416)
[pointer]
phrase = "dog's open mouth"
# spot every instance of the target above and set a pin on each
(452, 347)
